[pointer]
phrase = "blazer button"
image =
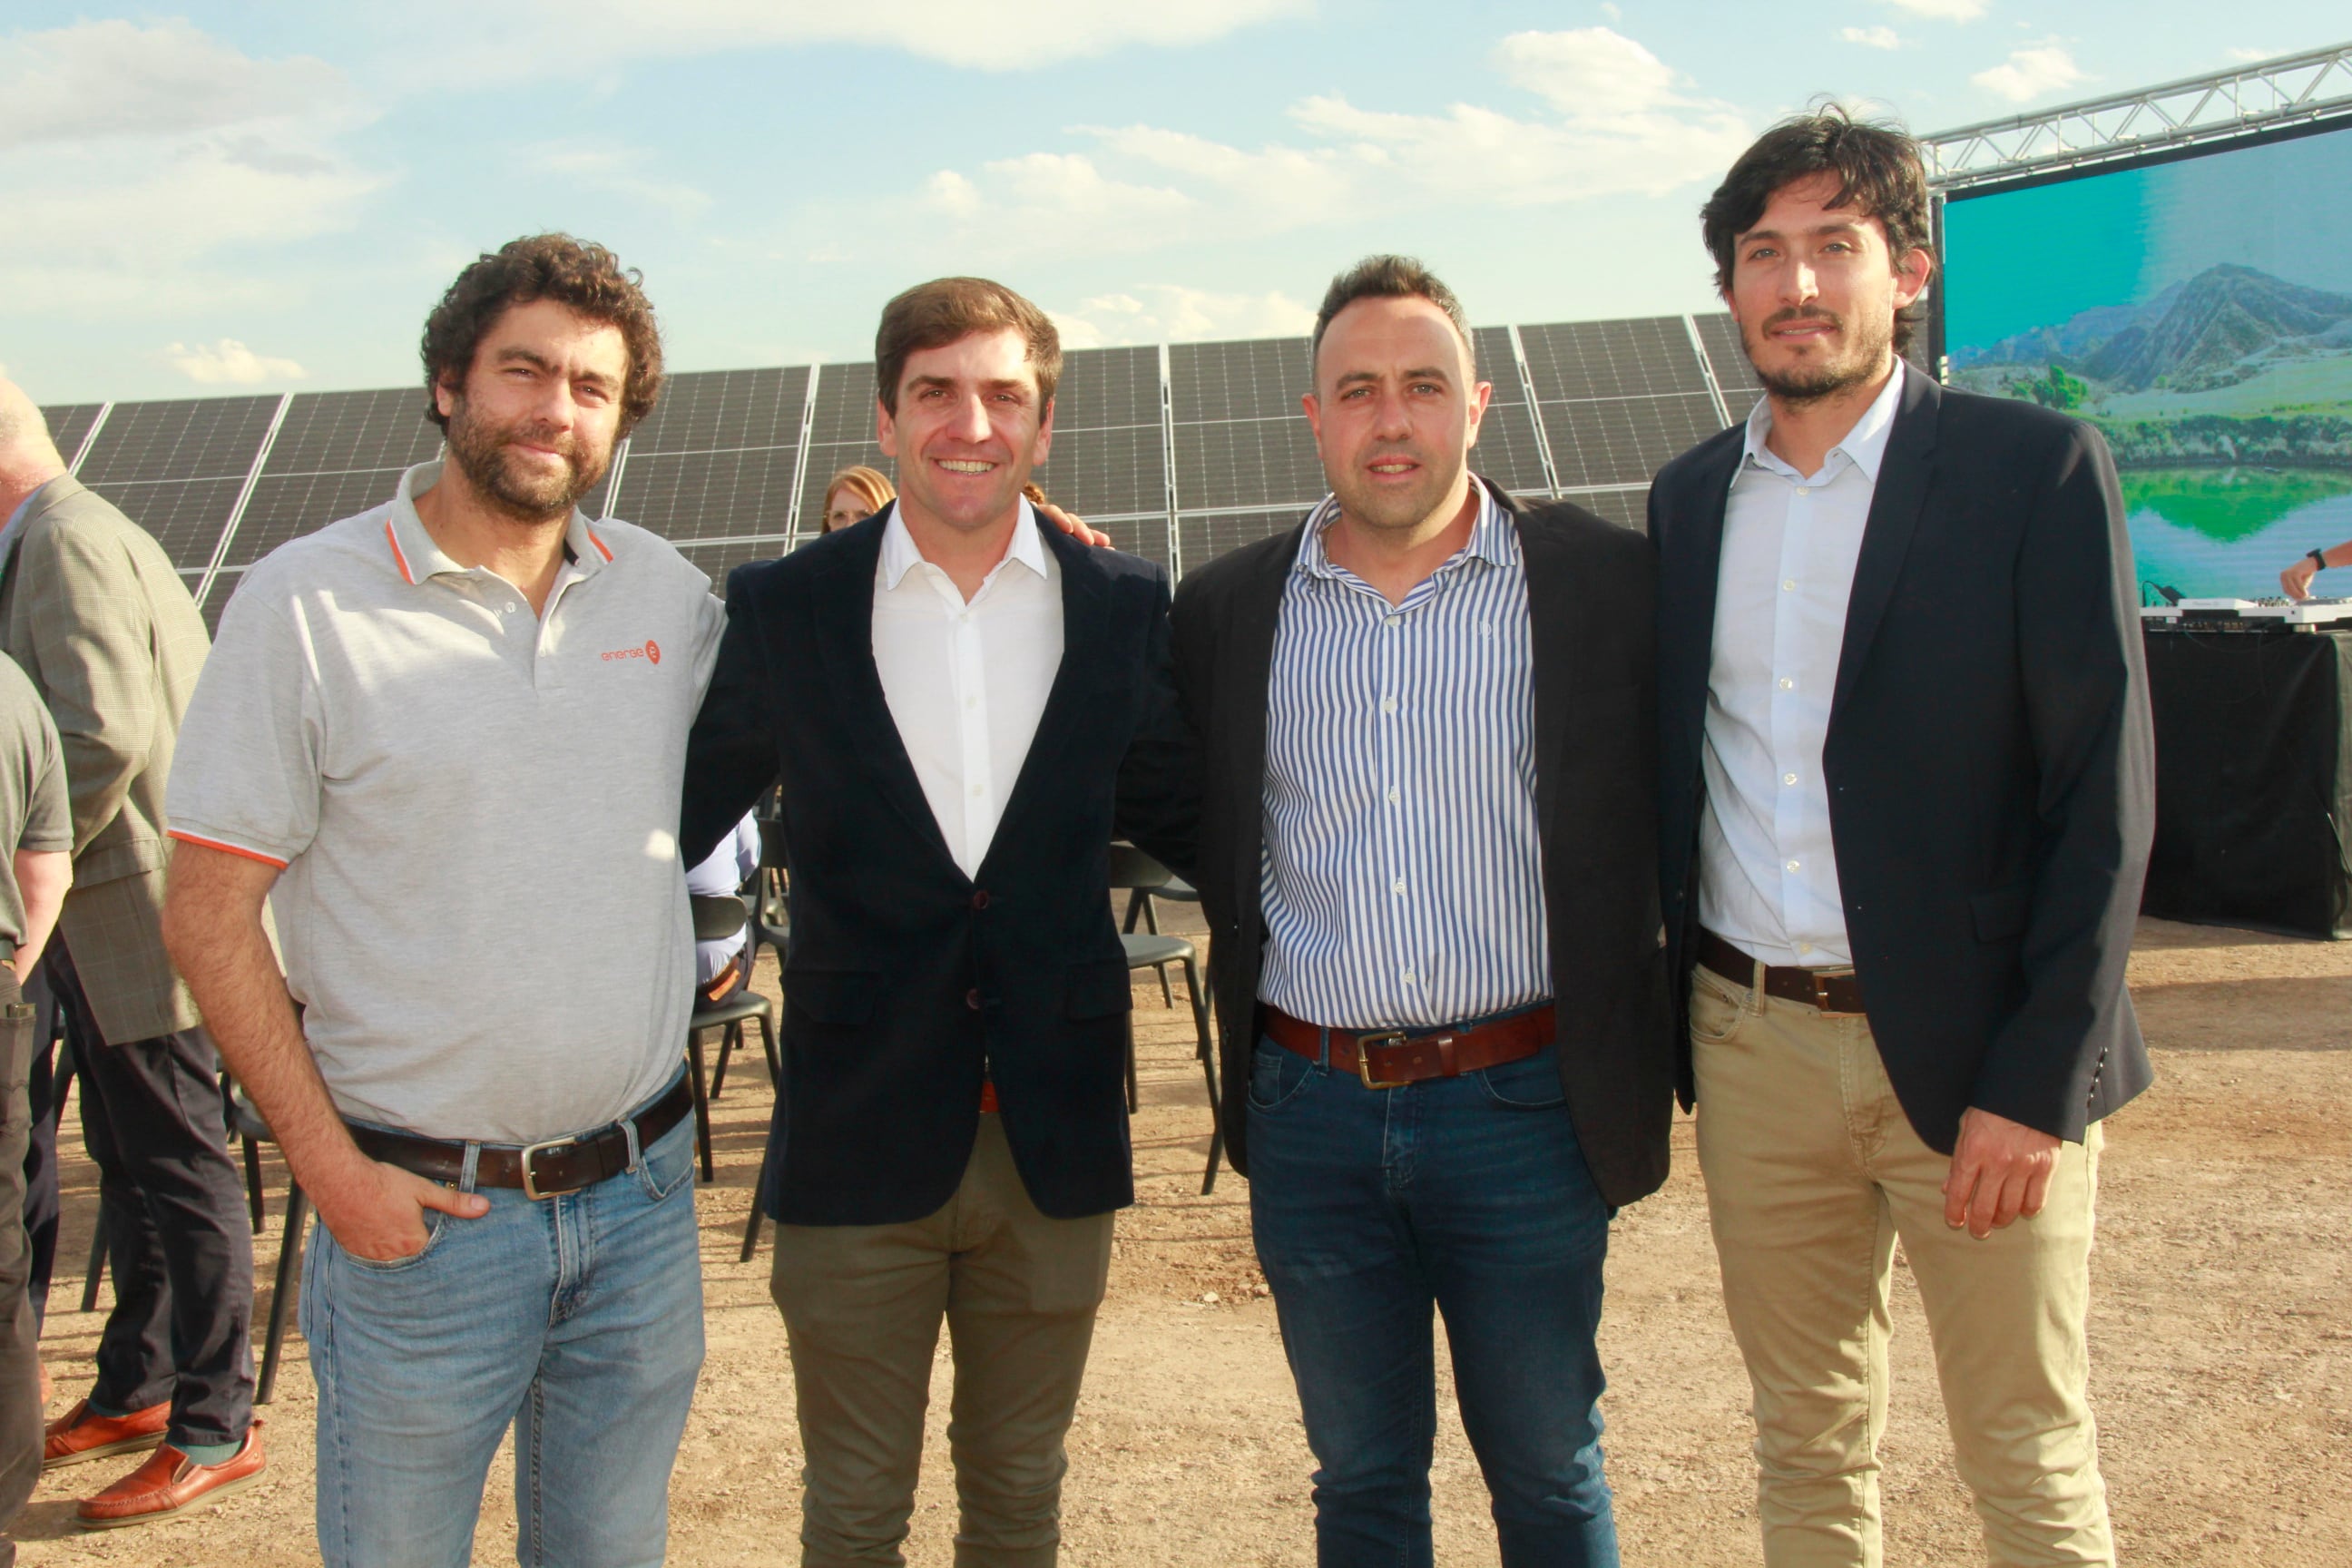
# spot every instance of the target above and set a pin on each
(972, 999)
(979, 899)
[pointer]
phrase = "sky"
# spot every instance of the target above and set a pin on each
(2131, 234)
(268, 197)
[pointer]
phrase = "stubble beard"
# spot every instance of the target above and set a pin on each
(1393, 510)
(479, 450)
(1869, 340)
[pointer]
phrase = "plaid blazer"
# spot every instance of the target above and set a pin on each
(90, 608)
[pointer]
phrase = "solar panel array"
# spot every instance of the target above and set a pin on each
(1180, 453)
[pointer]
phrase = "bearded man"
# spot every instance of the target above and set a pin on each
(409, 715)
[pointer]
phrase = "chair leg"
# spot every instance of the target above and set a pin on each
(701, 1104)
(1151, 915)
(775, 1062)
(1135, 903)
(96, 1272)
(751, 1224)
(1208, 1054)
(728, 1038)
(253, 1187)
(281, 1296)
(1167, 997)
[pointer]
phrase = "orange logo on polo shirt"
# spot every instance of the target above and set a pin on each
(651, 653)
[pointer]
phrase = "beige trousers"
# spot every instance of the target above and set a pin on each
(1812, 1171)
(862, 1308)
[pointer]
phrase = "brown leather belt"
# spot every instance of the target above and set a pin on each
(545, 1170)
(1831, 990)
(1390, 1058)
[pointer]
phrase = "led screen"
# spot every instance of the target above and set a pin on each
(2200, 312)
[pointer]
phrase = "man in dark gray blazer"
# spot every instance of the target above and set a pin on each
(1905, 801)
(91, 608)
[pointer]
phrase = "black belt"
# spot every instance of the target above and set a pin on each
(543, 1170)
(1831, 990)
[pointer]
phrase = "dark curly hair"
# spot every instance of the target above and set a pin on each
(1878, 169)
(587, 278)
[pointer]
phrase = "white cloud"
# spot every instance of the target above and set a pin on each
(1168, 312)
(148, 150)
(1942, 10)
(229, 362)
(624, 171)
(1871, 38)
(1615, 119)
(2030, 72)
(1010, 34)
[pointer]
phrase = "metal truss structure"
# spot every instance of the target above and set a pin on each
(2267, 95)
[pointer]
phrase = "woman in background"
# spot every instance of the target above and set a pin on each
(854, 494)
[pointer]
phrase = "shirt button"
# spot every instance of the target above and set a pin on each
(1787, 684)
(1405, 975)
(972, 701)
(1793, 865)
(1804, 490)
(1390, 620)
(1399, 887)
(1388, 704)
(1787, 778)
(512, 607)
(979, 790)
(1788, 584)
(1392, 794)
(972, 999)
(979, 899)
(1804, 950)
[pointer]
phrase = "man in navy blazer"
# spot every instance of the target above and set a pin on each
(1906, 805)
(964, 707)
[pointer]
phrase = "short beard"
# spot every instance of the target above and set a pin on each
(1386, 509)
(478, 449)
(1816, 384)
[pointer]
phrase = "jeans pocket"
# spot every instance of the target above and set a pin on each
(436, 1222)
(1532, 1083)
(669, 1162)
(1718, 1007)
(1277, 1076)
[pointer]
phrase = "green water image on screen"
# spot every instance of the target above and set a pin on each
(2200, 314)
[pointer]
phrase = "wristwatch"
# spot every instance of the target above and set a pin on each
(2318, 560)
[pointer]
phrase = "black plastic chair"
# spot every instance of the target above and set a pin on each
(1139, 876)
(1145, 879)
(246, 1118)
(715, 918)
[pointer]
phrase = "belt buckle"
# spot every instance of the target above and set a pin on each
(1821, 978)
(530, 1179)
(1364, 1044)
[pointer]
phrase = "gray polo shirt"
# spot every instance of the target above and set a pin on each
(482, 909)
(35, 813)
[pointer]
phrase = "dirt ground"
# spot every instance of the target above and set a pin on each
(2220, 1339)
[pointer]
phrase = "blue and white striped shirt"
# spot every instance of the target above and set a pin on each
(1402, 874)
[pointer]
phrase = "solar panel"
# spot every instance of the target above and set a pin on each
(1644, 357)
(1206, 537)
(845, 404)
(1507, 451)
(1247, 463)
(1624, 440)
(716, 458)
(69, 422)
(1732, 371)
(724, 410)
(1260, 379)
(337, 453)
(1108, 473)
(1627, 508)
(175, 467)
(717, 560)
(1101, 388)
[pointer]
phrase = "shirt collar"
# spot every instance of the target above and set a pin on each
(900, 555)
(1493, 538)
(1864, 446)
(416, 557)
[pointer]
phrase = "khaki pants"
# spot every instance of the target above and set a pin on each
(862, 1307)
(1812, 1171)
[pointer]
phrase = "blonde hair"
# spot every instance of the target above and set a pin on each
(871, 486)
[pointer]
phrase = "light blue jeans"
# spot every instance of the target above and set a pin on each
(577, 1320)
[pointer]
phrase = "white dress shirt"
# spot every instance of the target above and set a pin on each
(1767, 871)
(967, 682)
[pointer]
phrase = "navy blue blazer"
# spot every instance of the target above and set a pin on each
(908, 982)
(1990, 758)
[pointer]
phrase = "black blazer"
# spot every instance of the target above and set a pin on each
(1590, 590)
(1990, 759)
(908, 982)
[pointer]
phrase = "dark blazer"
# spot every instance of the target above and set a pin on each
(907, 981)
(1990, 759)
(1589, 588)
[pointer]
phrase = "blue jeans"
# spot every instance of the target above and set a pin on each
(1368, 1207)
(575, 1319)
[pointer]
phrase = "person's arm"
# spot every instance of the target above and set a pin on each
(42, 877)
(92, 637)
(2296, 579)
(212, 926)
(730, 753)
(2086, 709)
(1159, 780)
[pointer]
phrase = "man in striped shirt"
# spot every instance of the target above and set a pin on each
(1427, 854)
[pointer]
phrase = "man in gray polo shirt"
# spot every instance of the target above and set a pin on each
(413, 719)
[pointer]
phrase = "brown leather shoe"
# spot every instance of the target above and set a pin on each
(171, 1484)
(82, 1434)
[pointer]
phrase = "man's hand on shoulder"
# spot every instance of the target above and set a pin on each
(377, 1211)
(1073, 526)
(2000, 1172)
